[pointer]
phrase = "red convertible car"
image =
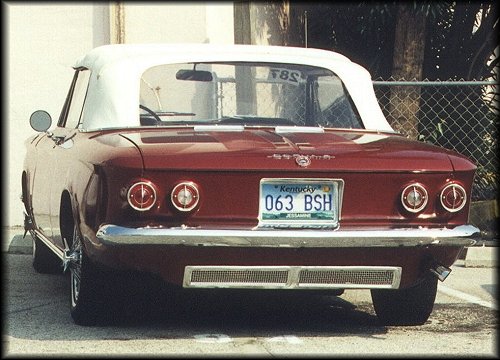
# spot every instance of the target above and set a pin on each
(254, 167)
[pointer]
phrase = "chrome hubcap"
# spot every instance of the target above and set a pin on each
(73, 262)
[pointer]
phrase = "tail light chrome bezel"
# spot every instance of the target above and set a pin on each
(185, 196)
(459, 195)
(147, 193)
(414, 191)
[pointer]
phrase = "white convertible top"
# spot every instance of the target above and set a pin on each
(113, 95)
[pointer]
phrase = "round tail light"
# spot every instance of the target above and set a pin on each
(141, 196)
(453, 197)
(414, 198)
(185, 196)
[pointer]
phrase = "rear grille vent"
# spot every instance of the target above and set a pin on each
(239, 276)
(345, 277)
(293, 277)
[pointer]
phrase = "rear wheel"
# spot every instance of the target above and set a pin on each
(411, 306)
(89, 295)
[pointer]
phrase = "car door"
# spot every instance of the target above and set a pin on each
(55, 157)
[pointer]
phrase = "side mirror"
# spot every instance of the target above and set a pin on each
(40, 121)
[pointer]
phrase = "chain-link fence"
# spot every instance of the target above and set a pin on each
(458, 115)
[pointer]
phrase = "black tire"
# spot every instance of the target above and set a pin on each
(411, 306)
(89, 295)
(45, 261)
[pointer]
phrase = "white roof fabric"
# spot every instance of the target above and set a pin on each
(113, 96)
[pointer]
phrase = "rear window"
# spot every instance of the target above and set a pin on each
(245, 93)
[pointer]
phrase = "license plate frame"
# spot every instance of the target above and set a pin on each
(300, 202)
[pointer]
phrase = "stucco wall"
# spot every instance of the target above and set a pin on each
(43, 43)
(45, 39)
(177, 22)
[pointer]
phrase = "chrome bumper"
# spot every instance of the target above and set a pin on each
(113, 235)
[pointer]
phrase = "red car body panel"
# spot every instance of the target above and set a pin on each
(254, 149)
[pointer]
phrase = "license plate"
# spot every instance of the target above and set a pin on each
(300, 202)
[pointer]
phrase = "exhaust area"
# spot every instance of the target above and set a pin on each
(440, 271)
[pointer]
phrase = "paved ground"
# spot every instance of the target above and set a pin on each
(153, 322)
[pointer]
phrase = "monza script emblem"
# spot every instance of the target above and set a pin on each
(301, 160)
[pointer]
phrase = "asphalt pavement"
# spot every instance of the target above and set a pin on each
(149, 320)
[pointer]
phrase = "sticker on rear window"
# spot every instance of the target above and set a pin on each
(293, 77)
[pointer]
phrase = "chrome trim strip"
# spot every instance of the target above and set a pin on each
(220, 128)
(36, 233)
(47, 242)
(113, 235)
(298, 129)
(292, 279)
